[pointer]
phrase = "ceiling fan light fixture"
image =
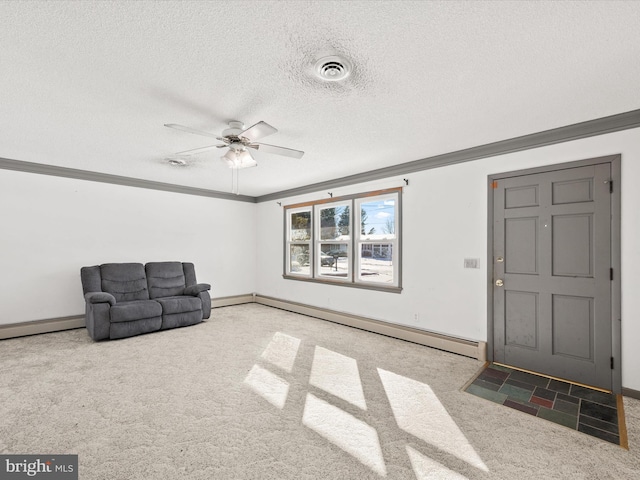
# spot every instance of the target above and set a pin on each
(332, 68)
(238, 159)
(235, 127)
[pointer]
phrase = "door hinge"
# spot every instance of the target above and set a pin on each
(611, 363)
(611, 274)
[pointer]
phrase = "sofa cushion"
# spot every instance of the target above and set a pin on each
(184, 319)
(125, 281)
(136, 327)
(135, 310)
(165, 279)
(179, 304)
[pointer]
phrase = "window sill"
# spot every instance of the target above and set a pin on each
(364, 286)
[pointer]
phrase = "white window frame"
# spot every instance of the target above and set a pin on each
(319, 242)
(361, 240)
(290, 242)
(354, 244)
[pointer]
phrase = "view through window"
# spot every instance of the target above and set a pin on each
(352, 240)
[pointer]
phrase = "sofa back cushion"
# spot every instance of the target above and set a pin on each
(165, 279)
(125, 281)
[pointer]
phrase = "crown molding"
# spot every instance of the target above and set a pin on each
(576, 131)
(43, 169)
(591, 128)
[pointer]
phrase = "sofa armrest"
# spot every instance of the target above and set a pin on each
(194, 290)
(100, 297)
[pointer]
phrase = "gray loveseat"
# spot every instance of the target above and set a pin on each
(126, 299)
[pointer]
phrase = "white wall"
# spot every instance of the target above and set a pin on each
(444, 221)
(51, 226)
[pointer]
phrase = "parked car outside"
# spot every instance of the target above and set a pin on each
(327, 260)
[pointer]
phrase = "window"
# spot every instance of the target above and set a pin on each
(353, 240)
(299, 242)
(377, 239)
(333, 243)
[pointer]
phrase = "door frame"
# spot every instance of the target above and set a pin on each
(616, 283)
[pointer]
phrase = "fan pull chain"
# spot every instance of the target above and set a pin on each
(235, 181)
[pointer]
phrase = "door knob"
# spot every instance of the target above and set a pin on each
(499, 283)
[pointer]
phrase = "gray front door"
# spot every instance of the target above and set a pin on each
(551, 273)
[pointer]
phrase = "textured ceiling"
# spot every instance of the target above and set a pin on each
(89, 85)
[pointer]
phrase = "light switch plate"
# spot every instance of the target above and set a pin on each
(471, 263)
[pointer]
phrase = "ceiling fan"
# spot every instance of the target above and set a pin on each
(239, 140)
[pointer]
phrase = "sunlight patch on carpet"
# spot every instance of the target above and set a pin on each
(338, 375)
(418, 411)
(427, 468)
(268, 385)
(282, 351)
(344, 430)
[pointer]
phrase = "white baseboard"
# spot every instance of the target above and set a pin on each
(234, 300)
(41, 326)
(77, 321)
(443, 342)
(460, 346)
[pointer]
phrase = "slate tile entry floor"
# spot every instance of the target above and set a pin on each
(589, 411)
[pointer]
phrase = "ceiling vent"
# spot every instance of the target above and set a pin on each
(332, 69)
(176, 162)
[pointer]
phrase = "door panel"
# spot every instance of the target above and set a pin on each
(551, 243)
(573, 248)
(573, 327)
(573, 191)
(521, 252)
(521, 196)
(521, 319)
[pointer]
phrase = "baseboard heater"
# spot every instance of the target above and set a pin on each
(460, 346)
(468, 348)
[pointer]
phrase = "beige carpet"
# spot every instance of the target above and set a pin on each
(260, 393)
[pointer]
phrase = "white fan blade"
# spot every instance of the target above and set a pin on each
(189, 130)
(287, 152)
(259, 130)
(200, 150)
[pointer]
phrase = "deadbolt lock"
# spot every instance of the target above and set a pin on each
(499, 283)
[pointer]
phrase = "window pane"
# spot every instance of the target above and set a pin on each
(376, 262)
(334, 260)
(378, 219)
(299, 259)
(301, 226)
(334, 223)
